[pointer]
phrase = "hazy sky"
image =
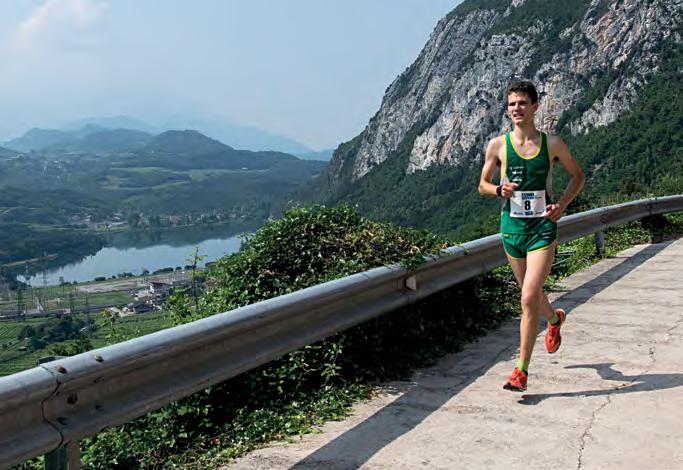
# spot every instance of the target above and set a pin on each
(314, 70)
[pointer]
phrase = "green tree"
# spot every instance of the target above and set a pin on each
(70, 348)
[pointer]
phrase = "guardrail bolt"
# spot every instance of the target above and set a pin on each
(99, 358)
(61, 369)
(72, 399)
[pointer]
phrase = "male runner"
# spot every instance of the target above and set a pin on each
(528, 219)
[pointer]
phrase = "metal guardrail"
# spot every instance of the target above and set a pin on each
(63, 401)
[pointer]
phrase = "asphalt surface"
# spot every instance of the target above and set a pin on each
(610, 398)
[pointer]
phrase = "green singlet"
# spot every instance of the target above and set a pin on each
(523, 227)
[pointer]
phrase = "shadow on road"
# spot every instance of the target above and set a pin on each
(633, 383)
(359, 444)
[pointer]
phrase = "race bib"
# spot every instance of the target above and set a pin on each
(526, 204)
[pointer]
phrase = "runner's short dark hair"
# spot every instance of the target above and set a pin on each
(524, 87)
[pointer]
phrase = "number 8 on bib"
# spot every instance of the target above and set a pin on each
(527, 204)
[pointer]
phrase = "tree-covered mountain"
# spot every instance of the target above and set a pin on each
(185, 143)
(191, 149)
(88, 138)
(38, 139)
(608, 74)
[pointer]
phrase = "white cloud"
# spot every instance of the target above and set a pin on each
(62, 25)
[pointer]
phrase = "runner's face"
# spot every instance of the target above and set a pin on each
(520, 108)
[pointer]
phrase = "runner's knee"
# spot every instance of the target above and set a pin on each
(530, 299)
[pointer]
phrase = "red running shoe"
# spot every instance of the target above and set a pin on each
(517, 381)
(553, 338)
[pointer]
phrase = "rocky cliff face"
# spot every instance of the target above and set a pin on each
(588, 59)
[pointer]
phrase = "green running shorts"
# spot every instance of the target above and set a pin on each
(518, 245)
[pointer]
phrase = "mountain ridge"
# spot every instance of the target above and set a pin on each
(219, 128)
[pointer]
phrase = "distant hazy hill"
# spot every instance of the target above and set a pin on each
(250, 138)
(105, 141)
(114, 122)
(38, 139)
(89, 139)
(220, 128)
(240, 137)
(321, 155)
(74, 136)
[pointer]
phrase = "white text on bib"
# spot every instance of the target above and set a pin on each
(525, 204)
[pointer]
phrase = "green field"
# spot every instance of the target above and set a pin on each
(13, 359)
(135, 178)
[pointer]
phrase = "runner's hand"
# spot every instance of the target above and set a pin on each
(506, 189)
(553, 212)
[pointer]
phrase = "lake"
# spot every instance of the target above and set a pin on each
(132, 252)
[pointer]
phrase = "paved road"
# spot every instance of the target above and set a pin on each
(611, 398)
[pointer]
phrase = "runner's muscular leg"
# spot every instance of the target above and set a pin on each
(518, 266)
(534, 302)
(546, 309)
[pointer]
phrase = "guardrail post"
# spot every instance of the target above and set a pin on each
(68, 456)
(599, 243)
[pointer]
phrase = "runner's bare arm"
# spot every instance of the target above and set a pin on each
(491, 161)
(558, 149)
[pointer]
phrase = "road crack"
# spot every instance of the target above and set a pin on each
(608, 401)
(587, 431)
